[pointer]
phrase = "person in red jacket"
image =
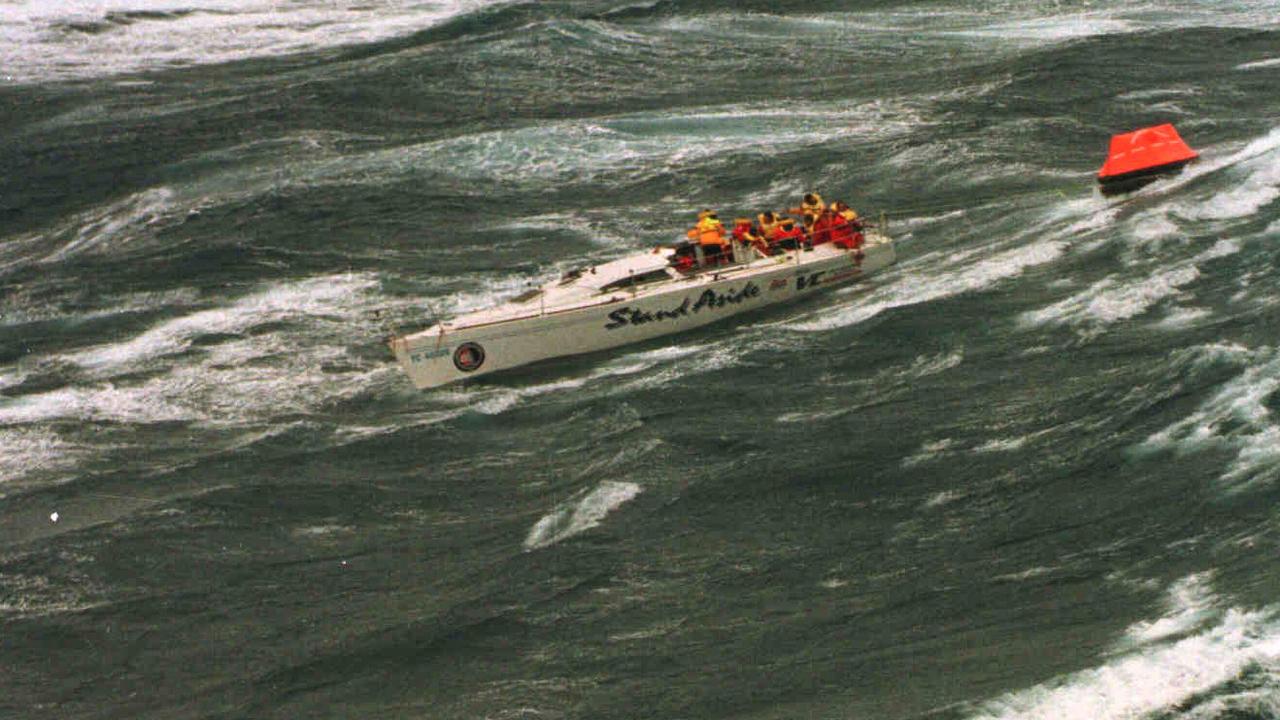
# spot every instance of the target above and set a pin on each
(824, 227)
(788, 236)
(744, 232)
(846, 229)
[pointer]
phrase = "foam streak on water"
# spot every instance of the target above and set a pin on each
(90, 38)
(1158, 675)
(579, 515)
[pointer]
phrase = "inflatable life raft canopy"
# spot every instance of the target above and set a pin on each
(1139, 157)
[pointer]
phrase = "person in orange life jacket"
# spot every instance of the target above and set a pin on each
(709, 230)
(710, 234)
(846, 212)
(813, 204)
(810, 204)
(770, 224)
(788, 237)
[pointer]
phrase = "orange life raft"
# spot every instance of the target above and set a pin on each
(1139, 157)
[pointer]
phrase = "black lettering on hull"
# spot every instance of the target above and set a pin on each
(707, 300)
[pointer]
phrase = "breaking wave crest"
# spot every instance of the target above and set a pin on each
(578, 515)
(1166, 667)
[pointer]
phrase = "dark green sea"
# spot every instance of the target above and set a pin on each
(1030, 471)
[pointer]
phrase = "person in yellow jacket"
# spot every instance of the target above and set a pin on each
(709, 232)
(810, 204)
(844, 211)
(770, 223)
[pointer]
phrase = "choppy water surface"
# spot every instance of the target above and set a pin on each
(1029, 472)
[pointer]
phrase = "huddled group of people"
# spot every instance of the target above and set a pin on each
(775, 232)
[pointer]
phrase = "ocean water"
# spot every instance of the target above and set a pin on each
(1031, 471)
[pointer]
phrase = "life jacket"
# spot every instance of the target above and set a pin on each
(768, 229)
(709, 231)
(816, 207)
(782, 235)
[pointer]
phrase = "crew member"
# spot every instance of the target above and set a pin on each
(846, 212)
(746, 234)
(810, 204)
(788, 237)
(807, 222)
(845, 226)
(822, 229)
(770, 223)
(709, 233)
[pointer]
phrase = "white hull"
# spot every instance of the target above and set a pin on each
(521, 333)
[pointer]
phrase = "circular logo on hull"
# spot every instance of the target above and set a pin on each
(468, 356)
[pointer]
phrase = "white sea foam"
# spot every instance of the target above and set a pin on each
(600, 233)
(1002, 444)
(1257, 160)
(292, 300)
(1016, 24)
(323, 531)
(236, 380)
(1259, 64)
(102, 402)
(1117, 297)
(946, 497)
(1235, 419)
(42, 40)
(117, 223)
(1028, 574)
(123, 224)
(1110, 300)
(925, 365)
(27, 451)
(1054, 29)
(1150, 227)
(1260, 187)
(15, 310)
(1190, 602)
(36, 596)
(1262, 702)
(638, 145)
(1149, 94)
(1151, 672)
(580, 514)
(1182, 318)
(204, 394)
(929, 451)
(811, 416)
(917, 288)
